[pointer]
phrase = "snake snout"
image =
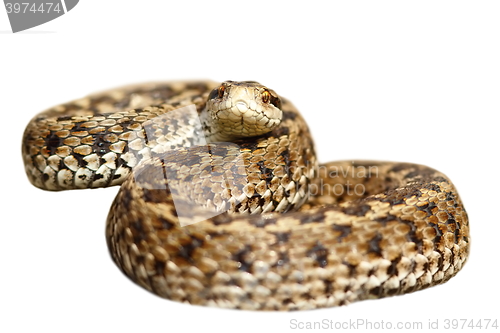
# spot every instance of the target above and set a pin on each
(242, 106)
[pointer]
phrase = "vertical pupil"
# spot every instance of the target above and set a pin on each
(221, 91)
(265, 96)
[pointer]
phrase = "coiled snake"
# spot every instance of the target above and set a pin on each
(274, 230)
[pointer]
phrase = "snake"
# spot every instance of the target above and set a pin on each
(223, 203)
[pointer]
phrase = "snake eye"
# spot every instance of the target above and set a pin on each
(220, 91)
(266, 96)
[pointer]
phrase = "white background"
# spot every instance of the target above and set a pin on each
(391, 80)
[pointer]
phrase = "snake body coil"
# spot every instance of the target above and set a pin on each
(282, 232)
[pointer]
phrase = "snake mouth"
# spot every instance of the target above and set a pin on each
(245, 122)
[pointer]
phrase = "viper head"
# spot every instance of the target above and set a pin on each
(238, 109)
